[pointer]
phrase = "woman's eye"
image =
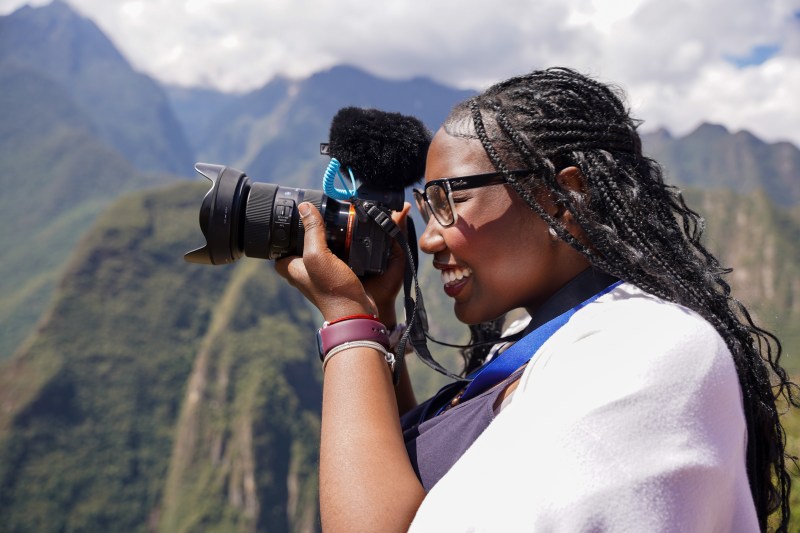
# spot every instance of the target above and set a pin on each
(460, 199)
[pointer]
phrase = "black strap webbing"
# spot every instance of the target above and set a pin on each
(416, 317)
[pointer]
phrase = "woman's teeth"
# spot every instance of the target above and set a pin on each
(454, 275)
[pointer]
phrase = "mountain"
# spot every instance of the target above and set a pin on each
(197, 109)
(77, 128)
(759, 240)
(57, 176)
(127, 109)
(712, 157)
(162, 395)
(273, 133)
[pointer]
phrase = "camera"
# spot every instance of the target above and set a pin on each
(239, 216)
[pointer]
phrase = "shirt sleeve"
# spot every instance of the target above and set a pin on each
(628, 419)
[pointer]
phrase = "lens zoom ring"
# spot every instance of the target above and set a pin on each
(257, 220)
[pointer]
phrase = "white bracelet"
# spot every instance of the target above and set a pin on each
(388, 356)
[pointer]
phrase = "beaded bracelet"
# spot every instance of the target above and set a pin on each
(387, 355)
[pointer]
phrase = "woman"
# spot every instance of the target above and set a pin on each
(646, 403)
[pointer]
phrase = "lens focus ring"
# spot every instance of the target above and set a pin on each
(257, 220)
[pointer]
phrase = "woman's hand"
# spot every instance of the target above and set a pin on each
(384, 288)
(322, 277)
(327, 281)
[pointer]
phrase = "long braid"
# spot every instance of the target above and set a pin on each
(640, 230)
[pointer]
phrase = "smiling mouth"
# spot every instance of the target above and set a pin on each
(454, 277)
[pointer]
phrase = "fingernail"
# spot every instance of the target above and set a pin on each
(304, 209)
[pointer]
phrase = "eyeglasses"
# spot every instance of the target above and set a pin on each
(437, 197)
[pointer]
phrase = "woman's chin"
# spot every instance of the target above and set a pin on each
(470, 315)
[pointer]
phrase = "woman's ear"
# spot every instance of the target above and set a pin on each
(573, 184)
(571, 181)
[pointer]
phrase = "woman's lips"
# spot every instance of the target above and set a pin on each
(454, 280)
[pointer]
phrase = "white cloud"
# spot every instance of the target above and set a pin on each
(762, 99)
(672, 56)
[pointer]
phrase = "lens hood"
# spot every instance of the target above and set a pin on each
(220, 215)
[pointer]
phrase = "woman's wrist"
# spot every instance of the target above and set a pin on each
(334, 312)
(387, 315)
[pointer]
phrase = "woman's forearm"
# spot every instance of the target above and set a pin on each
(404, 391)
(366, 479)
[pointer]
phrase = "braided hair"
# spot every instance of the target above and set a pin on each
(640, 230)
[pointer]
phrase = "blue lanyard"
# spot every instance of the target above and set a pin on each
(522, 351)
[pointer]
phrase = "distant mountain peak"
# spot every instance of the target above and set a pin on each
(351, 73)
(56, 6)
(73, 51)
(347, 73)
(748, 137)
(343, 69)
(661, 134)
(56, 26)
(710, 129)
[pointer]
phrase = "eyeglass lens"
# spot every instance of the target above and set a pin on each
(440, 204)
(422, 206)
(435, 201)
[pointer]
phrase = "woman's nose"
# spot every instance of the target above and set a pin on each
(431, 240)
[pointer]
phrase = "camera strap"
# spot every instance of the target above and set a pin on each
(416, 317)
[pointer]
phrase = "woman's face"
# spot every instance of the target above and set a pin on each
(499, 254)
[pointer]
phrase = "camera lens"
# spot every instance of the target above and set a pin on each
(272, 225)
(239, 216)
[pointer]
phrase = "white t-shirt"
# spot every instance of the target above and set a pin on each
(629, 418)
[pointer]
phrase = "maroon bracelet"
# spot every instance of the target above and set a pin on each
(356, 329)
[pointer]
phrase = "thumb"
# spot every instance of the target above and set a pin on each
(399, 217)
(314, 239)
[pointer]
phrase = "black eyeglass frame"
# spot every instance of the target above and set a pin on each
(458, 183)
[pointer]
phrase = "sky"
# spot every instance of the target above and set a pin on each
(681, 62)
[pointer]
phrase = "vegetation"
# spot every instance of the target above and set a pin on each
(759, 240)
(88, 426)
(57, 177)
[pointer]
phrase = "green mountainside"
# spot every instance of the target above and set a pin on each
(77, 126)
(57, 176)
(759, 240)
(158, 393)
